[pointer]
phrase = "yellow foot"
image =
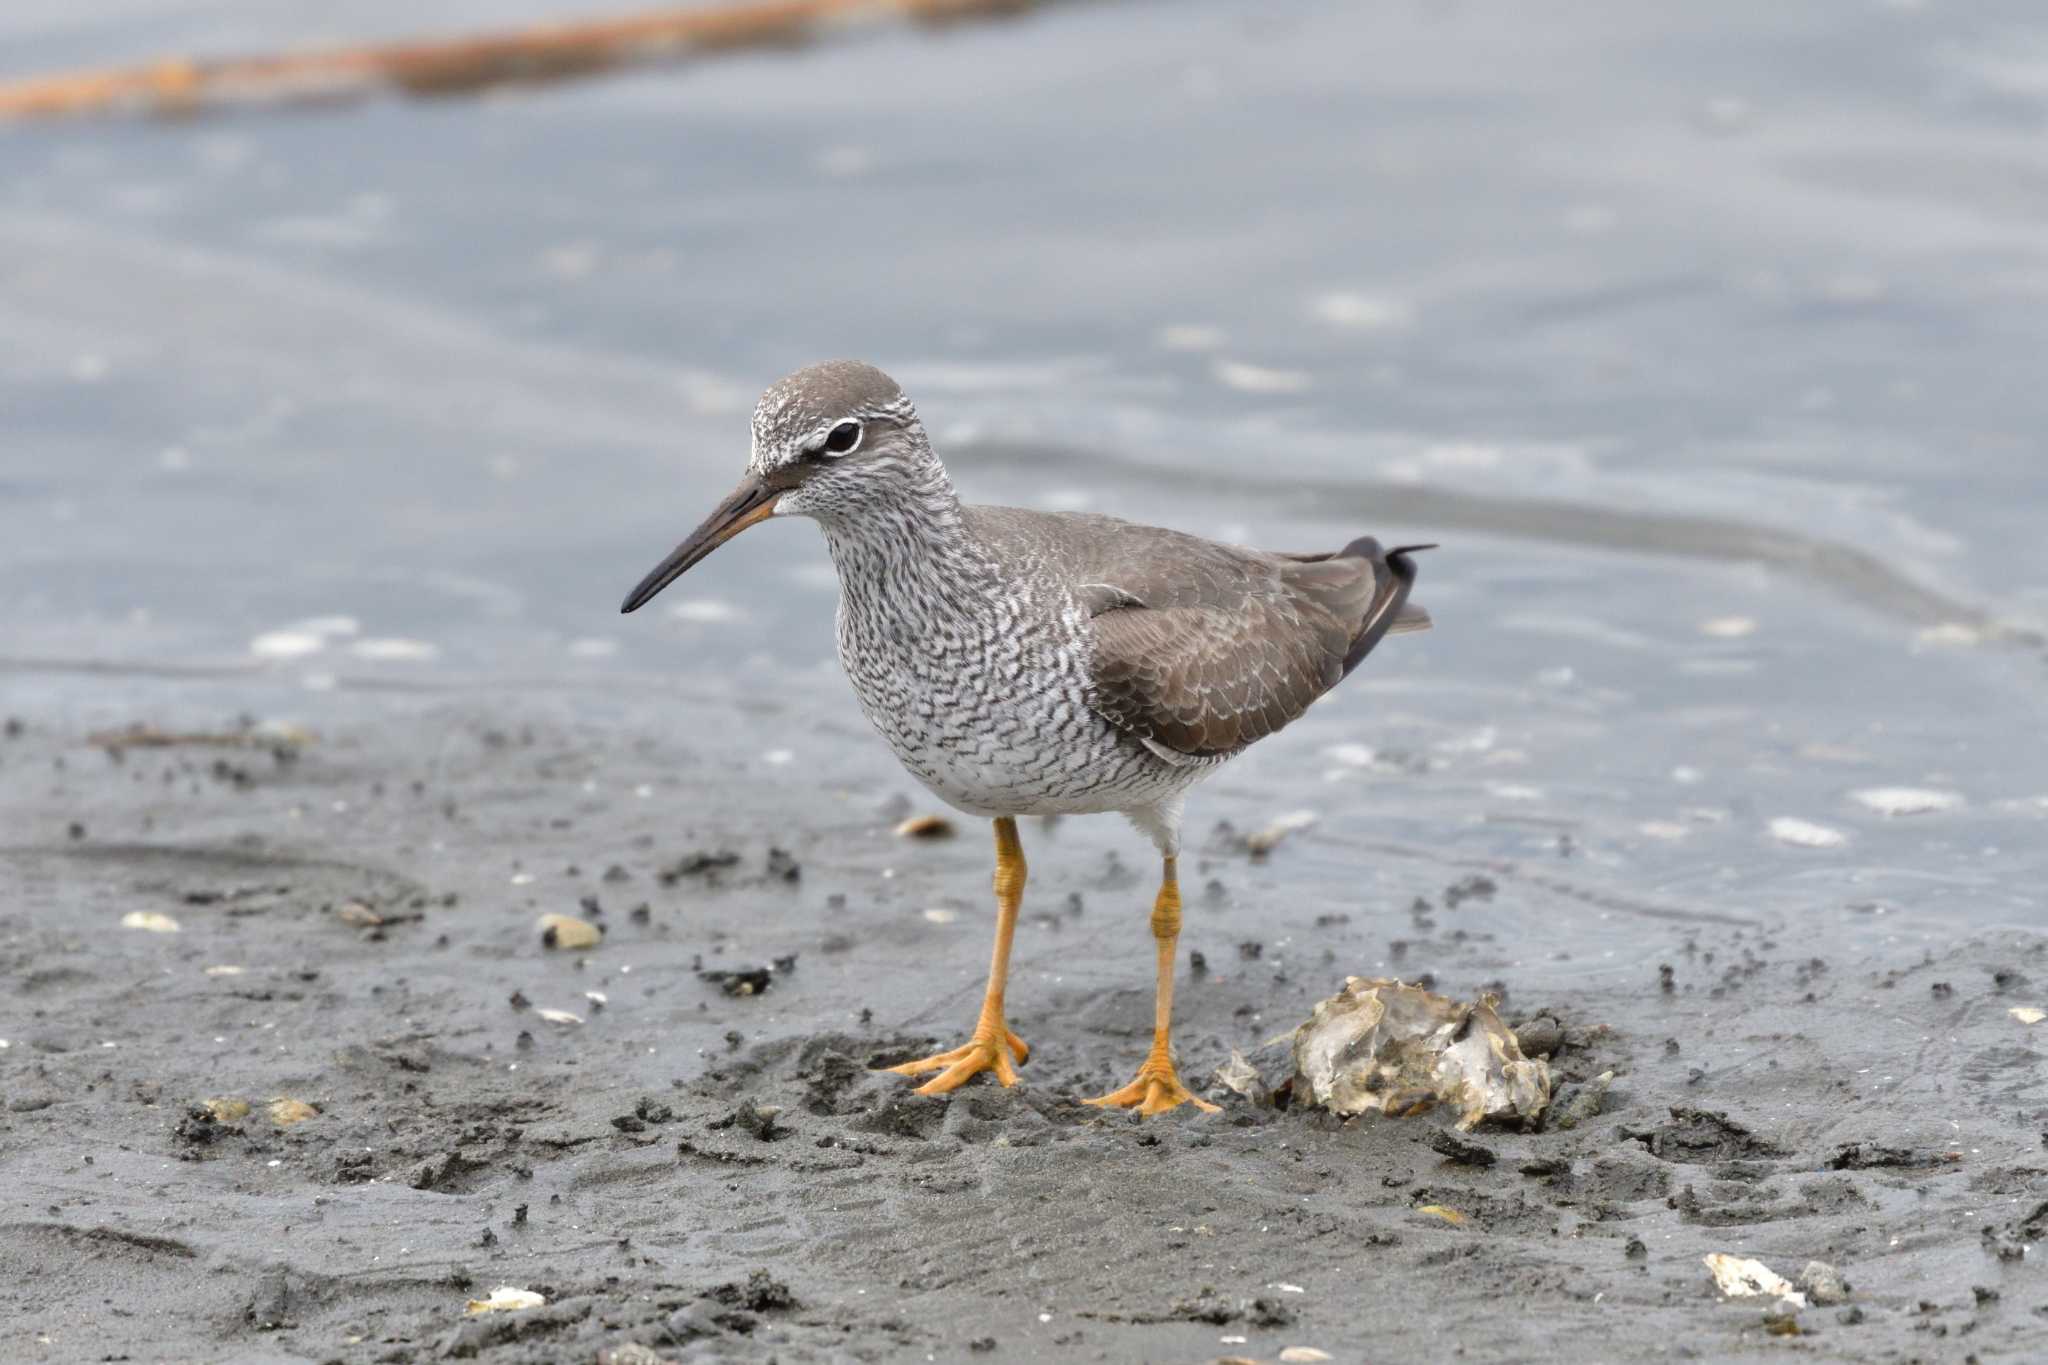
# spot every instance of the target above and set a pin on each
(1156, 1090)
(980, 1053)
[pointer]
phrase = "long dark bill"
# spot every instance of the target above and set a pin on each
(752, 501)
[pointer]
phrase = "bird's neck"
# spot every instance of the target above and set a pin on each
(913, 545)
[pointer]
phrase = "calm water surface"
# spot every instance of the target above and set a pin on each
(1707, 339)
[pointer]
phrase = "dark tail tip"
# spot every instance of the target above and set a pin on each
(1387, 608)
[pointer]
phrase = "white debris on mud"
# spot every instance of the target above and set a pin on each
(1906, 800)
(1739, 1278)
(505, 1299)
(1787, 829)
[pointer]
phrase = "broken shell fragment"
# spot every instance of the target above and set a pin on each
(1449, 1215)
(569, 933)
(1260, 842)
(1740, 1278)
(1384, 1047)
(227, 1110)
(358, 916)
(152, 921)
(1240, 1076)
(285, 1111)
(2027, 1014)
(562, 1017)
(925, 827)
(505, 1299)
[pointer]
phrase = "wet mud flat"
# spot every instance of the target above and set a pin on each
(676, 1138)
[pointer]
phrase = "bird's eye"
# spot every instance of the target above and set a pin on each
(843, 439)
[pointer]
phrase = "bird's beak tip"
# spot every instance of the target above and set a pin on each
(752, 501)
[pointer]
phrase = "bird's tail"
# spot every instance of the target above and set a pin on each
(1391, 612)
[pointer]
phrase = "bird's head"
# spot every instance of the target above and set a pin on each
(833, 441)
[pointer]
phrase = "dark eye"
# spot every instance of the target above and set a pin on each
(843, 439)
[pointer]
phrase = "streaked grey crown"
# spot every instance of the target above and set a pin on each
(797, 411)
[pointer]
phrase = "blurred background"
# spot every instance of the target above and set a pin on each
(1707, 340)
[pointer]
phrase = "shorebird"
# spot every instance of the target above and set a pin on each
(1045, 663)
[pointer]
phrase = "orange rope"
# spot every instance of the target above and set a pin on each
(179, 85)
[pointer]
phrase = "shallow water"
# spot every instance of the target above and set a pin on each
(1707, 342)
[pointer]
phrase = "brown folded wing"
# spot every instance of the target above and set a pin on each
(1207, 653)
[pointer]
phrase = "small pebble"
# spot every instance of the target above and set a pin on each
(568, 933)
(285, 1112)
(1822, 1284)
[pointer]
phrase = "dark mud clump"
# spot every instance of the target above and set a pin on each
(1697, 1136)
(761, 1293)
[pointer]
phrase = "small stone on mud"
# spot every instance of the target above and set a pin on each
(568, 933)
(1823, 1284)
(285, 1112)
(1586, 1103)
(358, 916)
(226, 1110)
(739, 981)
(1540, 1037)
(925, 827)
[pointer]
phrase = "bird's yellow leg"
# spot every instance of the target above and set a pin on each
(991, 1047)
(1158, 1086)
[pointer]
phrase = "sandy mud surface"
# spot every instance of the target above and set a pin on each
(718, 1176)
